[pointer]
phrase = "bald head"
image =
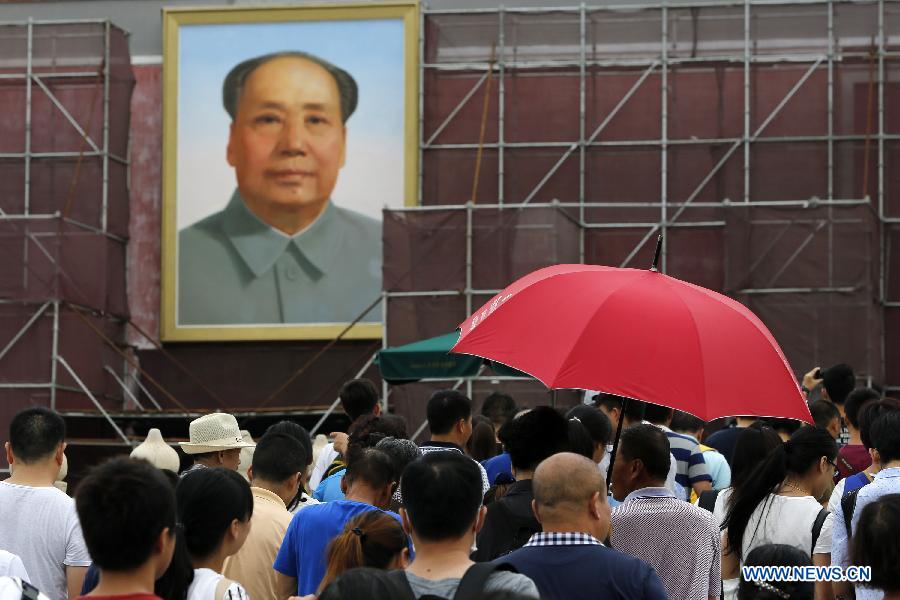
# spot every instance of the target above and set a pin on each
(566, 481)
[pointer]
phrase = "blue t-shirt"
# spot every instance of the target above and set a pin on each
(559, 573)
(496, 465)
(329, 489)
(302, 553)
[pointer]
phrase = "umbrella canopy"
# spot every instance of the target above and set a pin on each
(639, 334)
(431, 359)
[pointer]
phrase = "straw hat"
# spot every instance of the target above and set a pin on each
(214, 432)
(157, 452)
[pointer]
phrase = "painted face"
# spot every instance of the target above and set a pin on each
(287, 141)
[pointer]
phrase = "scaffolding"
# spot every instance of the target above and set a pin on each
(755, 135)
(65, 90)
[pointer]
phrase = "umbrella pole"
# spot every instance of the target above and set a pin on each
(612, 456)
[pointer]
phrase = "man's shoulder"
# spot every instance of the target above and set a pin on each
(723, 435)
(315, 512)
(682, 441)
(202, 242)
(507, 581)
(49, 495)
(879, 487)
(496, 460)
(724, 432)
(204, 229)
(268, 514)
(363, 226)
(663, 507)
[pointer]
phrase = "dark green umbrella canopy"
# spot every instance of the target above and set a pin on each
(431, 359)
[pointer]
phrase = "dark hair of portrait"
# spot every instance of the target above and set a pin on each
(237, 77)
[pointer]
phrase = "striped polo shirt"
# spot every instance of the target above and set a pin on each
(691, 466)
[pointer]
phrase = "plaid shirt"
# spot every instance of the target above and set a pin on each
(192, 468)
(562, 538)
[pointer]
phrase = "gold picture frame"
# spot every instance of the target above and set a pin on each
(178, 21)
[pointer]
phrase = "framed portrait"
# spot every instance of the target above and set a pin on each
(286, 131)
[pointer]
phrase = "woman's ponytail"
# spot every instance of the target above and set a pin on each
(371, 539)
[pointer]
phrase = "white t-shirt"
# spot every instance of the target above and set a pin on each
(305, 502)
(720, 510)
(41, 526)
(326, 457)
(203, 587)
(787, 520)
(11, 566)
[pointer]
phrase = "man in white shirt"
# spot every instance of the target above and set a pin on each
(358, 397)
(39, 521)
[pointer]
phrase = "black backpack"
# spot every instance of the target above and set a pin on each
(471, 586)
(523, 528)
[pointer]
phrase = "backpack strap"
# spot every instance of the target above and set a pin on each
(848, 505)
(29, 592)
(401, 585)
(471, 586)
(707, 499)
(817, 528)
(221, 586)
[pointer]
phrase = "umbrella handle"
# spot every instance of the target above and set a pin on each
(659, 242)
(612, 456)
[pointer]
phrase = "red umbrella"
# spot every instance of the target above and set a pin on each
(639, 334)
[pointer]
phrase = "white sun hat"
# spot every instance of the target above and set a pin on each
(157, 452)
(214, 432)
(246, 455)
(60, 477)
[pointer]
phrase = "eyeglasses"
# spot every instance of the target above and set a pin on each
(833, 464)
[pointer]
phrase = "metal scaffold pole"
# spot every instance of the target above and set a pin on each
(819, 60)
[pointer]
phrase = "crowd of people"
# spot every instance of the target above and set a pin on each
(509, 504)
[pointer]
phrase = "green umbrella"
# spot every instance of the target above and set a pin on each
(431, 359)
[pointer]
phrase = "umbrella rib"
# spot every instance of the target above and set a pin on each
(699, 353)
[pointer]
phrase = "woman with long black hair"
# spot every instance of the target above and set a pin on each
(777, 504)
(752, 447)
